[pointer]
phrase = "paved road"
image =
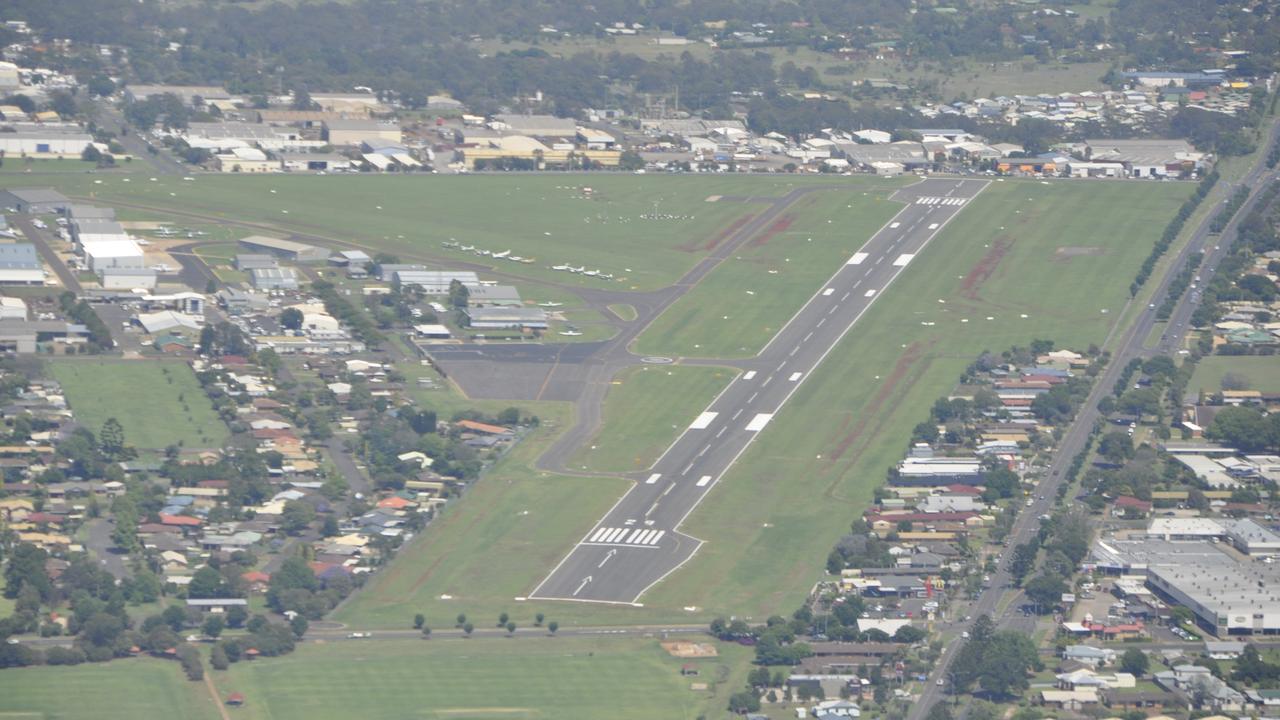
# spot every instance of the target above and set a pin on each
(1027, 523)
(638, 542)
(109, 117)
(99, 540)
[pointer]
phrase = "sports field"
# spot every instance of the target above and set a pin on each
(744, 302)
(1022, 248)
(158, 402)
(1258, 373)
(118, 690)
(522, 678)
(645, 409)
(645, 230)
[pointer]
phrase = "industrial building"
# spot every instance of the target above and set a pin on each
(20, 265)
(503, 318)
(25, 337)
(188, 93)
(245, 262)
(494, 295)
(90, 230)
(34, 201)
(356, 131)
(287, 249)
(435, 282)
(128, 278)
(1229, 594)
(548, 126)
(103, 254)
(49, 143)
(274, 278)
(90, 212)
(12, 308)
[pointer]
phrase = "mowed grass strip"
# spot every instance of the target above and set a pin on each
(1258, 373)
(523, 677)
(118, 690)
(743, 303)
(158, 402)
(644, 411)
(646, 230)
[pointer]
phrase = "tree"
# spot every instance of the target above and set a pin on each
(175, 617)
(237, 616)
(1046, 591)
(218, 658)
(461, 620)
(111, 439)
(212, 625)
(502, 619)
(299, 626)
(426, 632)
(758, 678)
(419, 620)
(291, 319)
(537, 619)
(1116, 446)
(468, 628)
(191, 665)
(1134, 662)
(1023, 561)
(744, 702)
(553, 626)
(939, 711)
(297, 516)
(1243, 428)
(26, 568)
(207, 583)
(511, 627)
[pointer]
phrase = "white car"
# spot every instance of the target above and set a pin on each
(359, 635)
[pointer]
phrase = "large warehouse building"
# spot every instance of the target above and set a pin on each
(35, 201)
(102, 254)
(287, 249)
(45, 143)
(20, 265)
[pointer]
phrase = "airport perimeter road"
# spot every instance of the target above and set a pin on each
(638, 542)
(1027, 523)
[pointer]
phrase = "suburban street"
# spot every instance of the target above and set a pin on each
(638, 542)
(1131, 346)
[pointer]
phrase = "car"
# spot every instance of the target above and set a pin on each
(11, 641)
(964, 635)
(359, 635)
(940, 682)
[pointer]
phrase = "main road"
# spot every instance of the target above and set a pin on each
(1132, 345)
(639, 542)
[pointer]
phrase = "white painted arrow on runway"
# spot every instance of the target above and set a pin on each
(585, 581)
(608, 555)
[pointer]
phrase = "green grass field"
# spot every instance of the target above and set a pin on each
(518, 679)
(1022, 248)
(159, 403)
(645, 410)
(735, 310)
(1259, 372)
(547, 217)
(117, 690)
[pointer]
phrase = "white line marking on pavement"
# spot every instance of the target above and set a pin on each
(703, 421)
(653, 479)
(599, 534)
(759, 421)
(702, 481)
(903, 259)
(828, 291)
(749, 374)
(735, 415)
(857, 259)
(795, 376)
(894, 226)
(933, 226)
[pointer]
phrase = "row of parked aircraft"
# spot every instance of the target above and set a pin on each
(503, 255)
(583, 271)
(167, 232)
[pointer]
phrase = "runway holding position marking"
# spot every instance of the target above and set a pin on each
(638, 542)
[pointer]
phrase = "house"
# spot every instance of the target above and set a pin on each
(1131, 507)
(1070, 699)
(1229, 650)
(1089, 655)
(483, 428)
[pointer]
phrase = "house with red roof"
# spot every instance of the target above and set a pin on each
(1131, 507)
(185, 521)
(483, 428)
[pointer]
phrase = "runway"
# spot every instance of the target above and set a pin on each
(638, 542)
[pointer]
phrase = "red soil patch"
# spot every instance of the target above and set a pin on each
(692, 246)
(982, 271)
(780, 225)
(900, 369)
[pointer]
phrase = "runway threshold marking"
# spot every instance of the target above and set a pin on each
(703, 420)
(759, 421)
(642, 537)
(653, 479)
(903, 259)
(857, 259)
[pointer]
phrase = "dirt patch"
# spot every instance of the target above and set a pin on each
(887, 390)
(711, 243)
(682, 649)
(1067, 252)
(983, 270)
(779, 226)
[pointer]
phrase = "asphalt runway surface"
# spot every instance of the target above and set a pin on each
(638, 542)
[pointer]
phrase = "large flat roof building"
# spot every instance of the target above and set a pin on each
(1228, 594)
(103, 254)
(45, 143)
(274, 278)
(187, 93)
(436, 282)
(35, 201)
(499, 318)
(20, 265)
(548, 126)
(287, 249)
(354, 131)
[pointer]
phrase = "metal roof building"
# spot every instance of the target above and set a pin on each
(496, 318)
(436, 282)
(274, 278)
(36, 201)
(20, 265)
(288, 249)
